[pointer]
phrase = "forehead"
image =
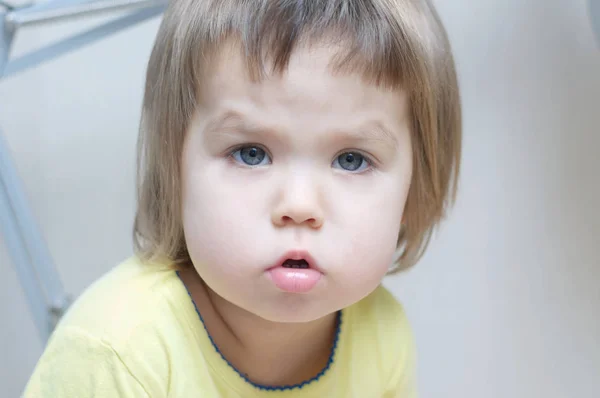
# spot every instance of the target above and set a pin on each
(307, 93)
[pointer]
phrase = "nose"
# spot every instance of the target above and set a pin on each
(299, 203)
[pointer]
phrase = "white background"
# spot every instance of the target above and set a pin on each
(506, 303)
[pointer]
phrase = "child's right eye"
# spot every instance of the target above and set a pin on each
(251, 156)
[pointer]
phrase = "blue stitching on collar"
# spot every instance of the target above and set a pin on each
(274, 388)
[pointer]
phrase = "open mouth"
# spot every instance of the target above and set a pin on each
(289, 263)
(295, 272)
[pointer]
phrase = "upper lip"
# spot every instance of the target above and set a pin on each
(298, 254)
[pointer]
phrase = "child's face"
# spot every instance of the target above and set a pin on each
(308, 161)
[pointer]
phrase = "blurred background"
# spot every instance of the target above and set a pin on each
(506, 302)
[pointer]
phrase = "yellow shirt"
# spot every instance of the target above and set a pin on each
(136, 333)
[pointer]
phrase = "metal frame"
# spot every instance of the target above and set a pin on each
(27, 249)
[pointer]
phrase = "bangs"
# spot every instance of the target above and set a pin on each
(369, 42)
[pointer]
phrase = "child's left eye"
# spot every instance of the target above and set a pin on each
(352, 161)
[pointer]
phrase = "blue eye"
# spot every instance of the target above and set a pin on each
(351, 161)
(251, 156)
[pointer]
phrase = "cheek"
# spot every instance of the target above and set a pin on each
(373, 244)
(216, 220)
(369, 226)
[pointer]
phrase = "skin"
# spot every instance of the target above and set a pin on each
(239, 219)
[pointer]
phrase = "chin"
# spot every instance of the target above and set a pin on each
(293, 318)
(288, 312)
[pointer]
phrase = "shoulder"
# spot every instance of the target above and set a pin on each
(113, 334)
(77, 364)
(127, 297)
(382, 320)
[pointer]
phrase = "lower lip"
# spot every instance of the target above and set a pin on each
(295, 280)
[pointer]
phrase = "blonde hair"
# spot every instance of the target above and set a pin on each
(391, 43)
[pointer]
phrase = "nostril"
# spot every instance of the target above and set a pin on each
(288, 219)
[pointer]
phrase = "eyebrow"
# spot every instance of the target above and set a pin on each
(232, 120)
(371, 130)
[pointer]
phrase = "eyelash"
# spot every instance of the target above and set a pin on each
(372, 165)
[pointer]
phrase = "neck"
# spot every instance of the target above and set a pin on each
(254, 346)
